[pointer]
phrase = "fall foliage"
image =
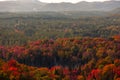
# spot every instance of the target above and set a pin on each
(62, 59)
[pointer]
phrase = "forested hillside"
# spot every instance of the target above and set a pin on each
(62, 59)
(20, 28)
(60, 45)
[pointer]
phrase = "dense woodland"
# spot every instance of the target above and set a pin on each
(62, 59)
(35, 47)
(17, 29)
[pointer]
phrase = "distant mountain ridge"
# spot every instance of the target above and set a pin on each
(35, 5)
(117, 10)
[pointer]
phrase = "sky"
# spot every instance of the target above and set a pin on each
(72, 1)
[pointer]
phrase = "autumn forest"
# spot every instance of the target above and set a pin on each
(52, 46)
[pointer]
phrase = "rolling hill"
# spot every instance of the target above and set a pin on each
(35, 5)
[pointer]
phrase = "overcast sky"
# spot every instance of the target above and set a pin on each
(73, 1)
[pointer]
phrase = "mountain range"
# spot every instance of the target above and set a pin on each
(35, 5)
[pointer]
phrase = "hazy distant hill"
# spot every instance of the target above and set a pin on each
(117, 10)
(34, 5)
(20, 5)
(82, 6)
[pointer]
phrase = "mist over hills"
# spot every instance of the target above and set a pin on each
(35, 5)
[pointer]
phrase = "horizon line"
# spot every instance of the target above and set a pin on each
(63, 1)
